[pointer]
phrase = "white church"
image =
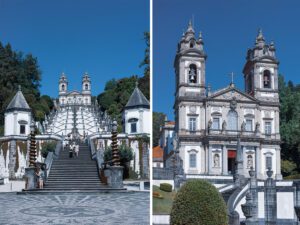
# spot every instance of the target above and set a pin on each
(208, 123)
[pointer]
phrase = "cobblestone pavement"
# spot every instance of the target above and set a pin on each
(84, 209)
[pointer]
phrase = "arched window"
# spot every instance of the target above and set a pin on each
(192, 44)
(193, 74)
(193, 160)
(86, 87)
(232, 120)
(63, 87)
(267, 79)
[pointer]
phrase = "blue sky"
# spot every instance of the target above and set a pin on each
(104, 38)
(229, 29)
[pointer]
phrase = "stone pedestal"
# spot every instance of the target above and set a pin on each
(30, 178)
(114, 176)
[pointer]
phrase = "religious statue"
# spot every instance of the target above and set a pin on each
(224, 126)
(209, 125)
(249, 161)
(243, 126)
(216, 160)
(257, 127)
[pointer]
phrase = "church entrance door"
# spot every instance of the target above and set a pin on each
(231, 161)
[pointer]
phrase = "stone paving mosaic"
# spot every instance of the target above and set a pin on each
(83, 209)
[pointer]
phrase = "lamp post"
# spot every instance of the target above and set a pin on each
(32, 151)
(114, 144)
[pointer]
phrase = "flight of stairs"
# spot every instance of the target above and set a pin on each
(74, 173)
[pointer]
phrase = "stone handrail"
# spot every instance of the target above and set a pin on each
(48, 162)
(57, 149)
(236, 197)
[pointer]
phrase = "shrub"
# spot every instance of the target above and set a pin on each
(198, 203)
(292, 177)
(126, 155)
(165, 187)
(48, 147)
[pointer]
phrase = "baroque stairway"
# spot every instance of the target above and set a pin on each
(74, 173)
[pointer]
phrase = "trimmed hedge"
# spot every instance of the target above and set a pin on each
(198, 203)
(165, 187)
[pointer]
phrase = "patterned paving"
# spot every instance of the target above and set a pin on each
(59, 209)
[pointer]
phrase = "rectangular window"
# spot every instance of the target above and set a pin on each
(268, 162)
(268, 127)
(22, 129)
(249, 125)
(133, 127)
(216, 123)
(192, 124)
(193, 162)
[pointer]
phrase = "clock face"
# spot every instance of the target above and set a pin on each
(193, 109)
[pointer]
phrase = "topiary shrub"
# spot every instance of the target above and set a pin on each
(198, 203)
(165, 187)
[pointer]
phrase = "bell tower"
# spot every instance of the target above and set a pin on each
(86, 84)
(261, 70)
(63, 84)
(86, 89)
(190, 64)
(189, 67)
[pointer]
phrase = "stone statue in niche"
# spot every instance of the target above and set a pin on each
(243, 126)
(257, 127)
(209, 125)
(249, 161)
(216, 160)
(224, 126)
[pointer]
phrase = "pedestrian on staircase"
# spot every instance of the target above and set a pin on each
(71, 151)
(76, 150)
(39, 174)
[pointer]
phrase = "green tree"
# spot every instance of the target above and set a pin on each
(158, 121)
(289, 95)
(18, 69)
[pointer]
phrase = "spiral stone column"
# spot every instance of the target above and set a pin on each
(32, 150)
(114, 173)
(30, 171)
(114, 145)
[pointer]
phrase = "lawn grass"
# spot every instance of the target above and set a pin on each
(163, 206)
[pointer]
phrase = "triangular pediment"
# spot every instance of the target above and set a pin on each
(231, 93)
(74, 93)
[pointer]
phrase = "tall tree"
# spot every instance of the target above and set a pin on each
(158, 120)
(17, 69)
(289, 125)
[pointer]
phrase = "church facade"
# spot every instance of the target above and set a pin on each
(209, 124)
(75, 97)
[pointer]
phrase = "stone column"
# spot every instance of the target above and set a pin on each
(15, 124)
(270, 200)
(12, 159)
(209, 159)
(258, 162)
(278, 175)
(225, 160)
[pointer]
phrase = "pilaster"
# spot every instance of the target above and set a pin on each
(225, 160)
